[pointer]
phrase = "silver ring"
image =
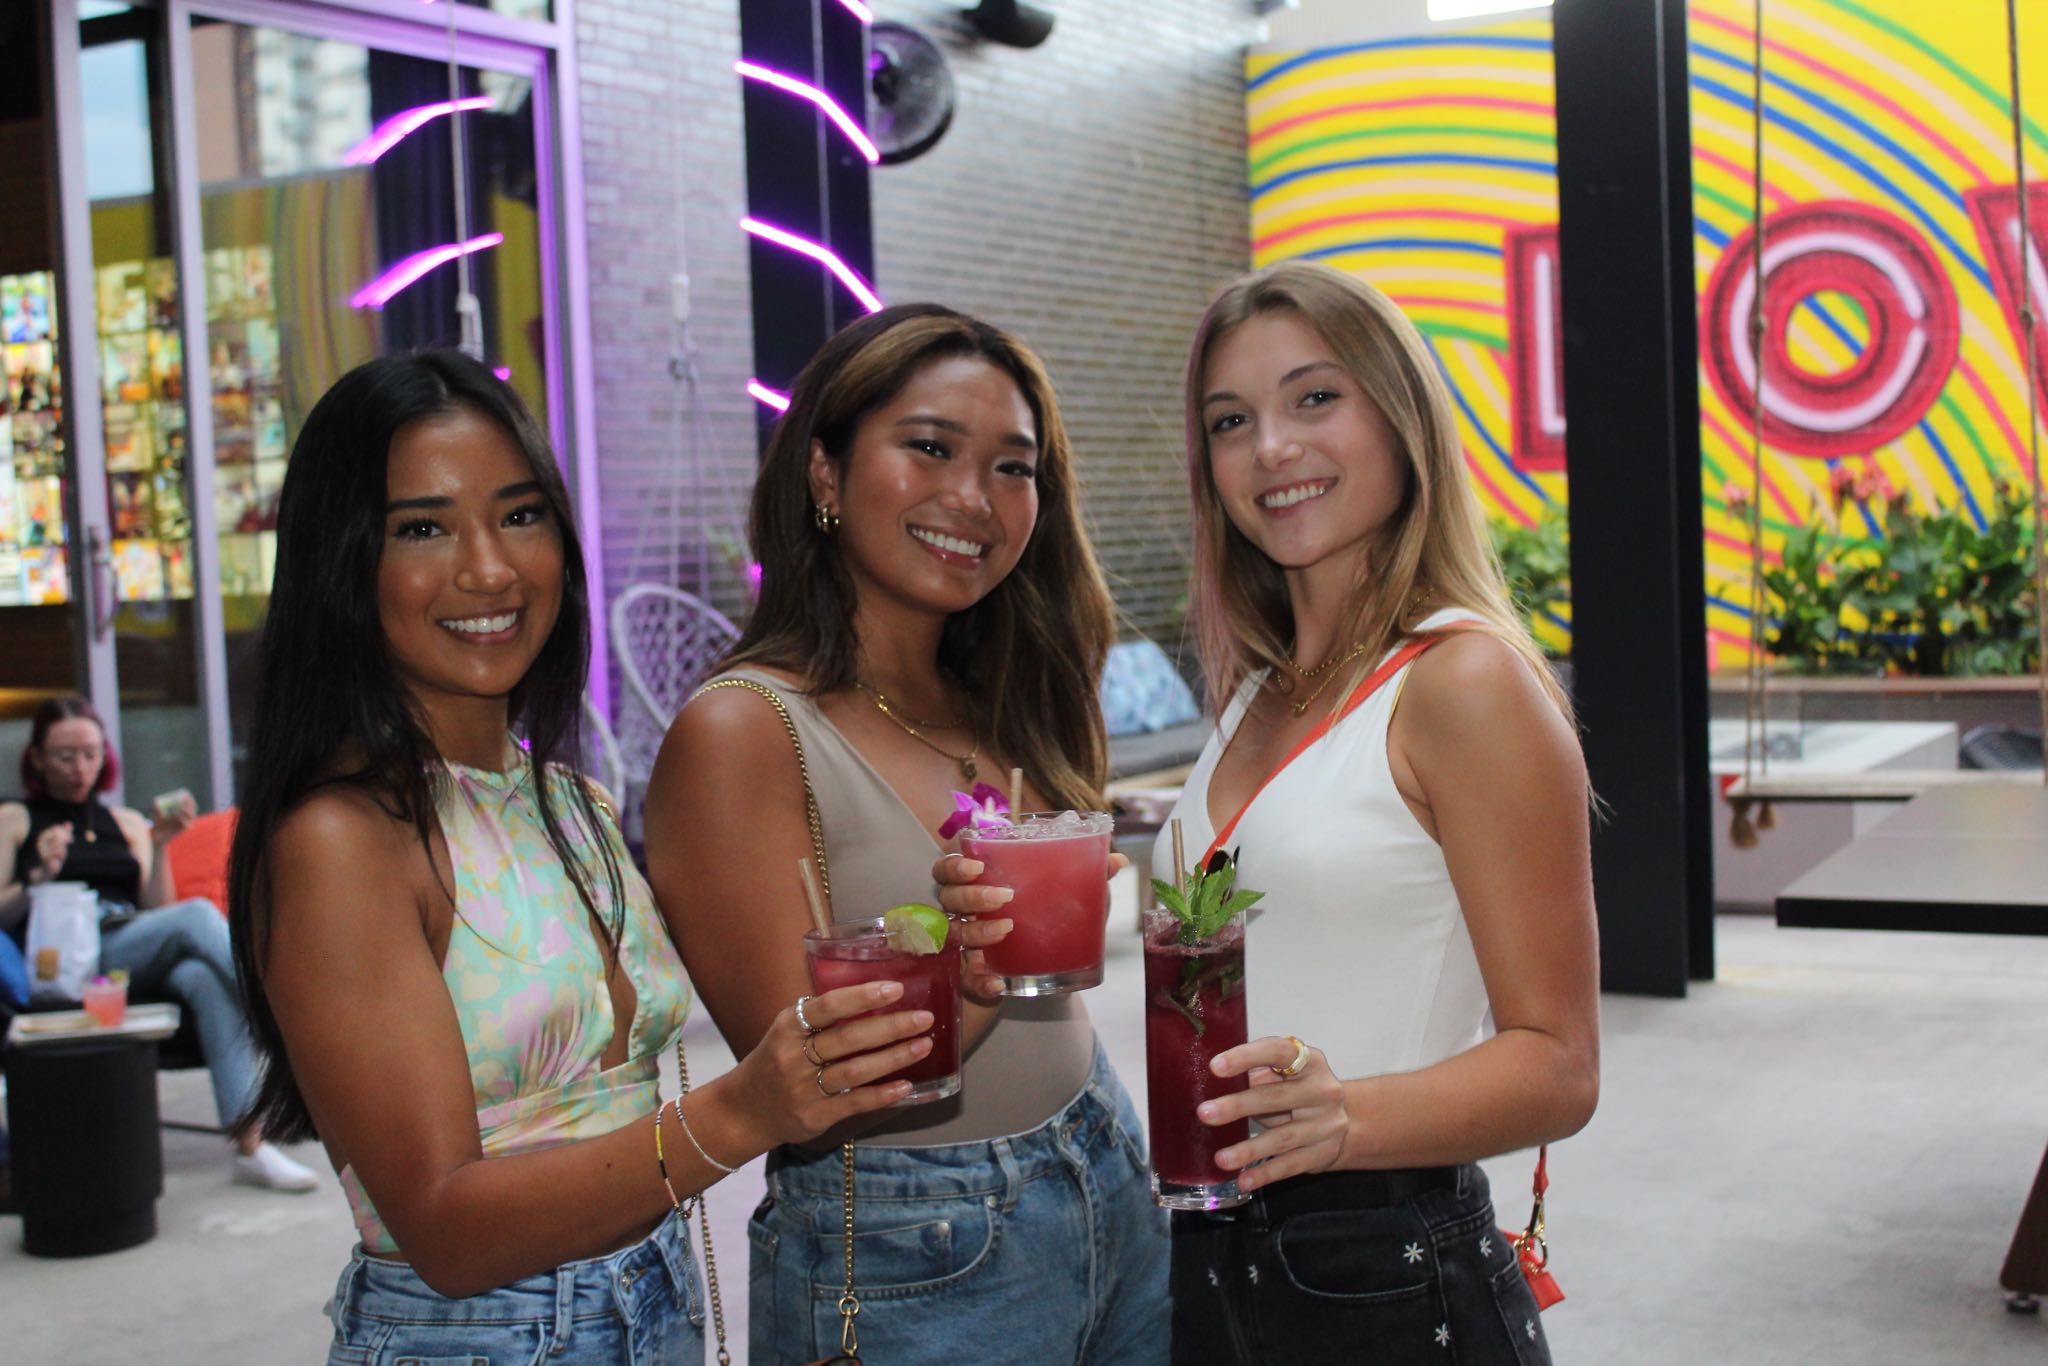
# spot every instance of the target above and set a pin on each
(802, 1019)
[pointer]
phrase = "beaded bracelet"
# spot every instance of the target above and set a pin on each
(661, 1161)
(684, 1120)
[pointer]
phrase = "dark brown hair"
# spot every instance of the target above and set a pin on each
(1031, 653)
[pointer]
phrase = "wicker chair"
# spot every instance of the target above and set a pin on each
(666, 642)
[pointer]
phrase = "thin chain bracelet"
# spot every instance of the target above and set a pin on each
(690, 1134)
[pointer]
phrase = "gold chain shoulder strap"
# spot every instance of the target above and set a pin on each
(849, 1300)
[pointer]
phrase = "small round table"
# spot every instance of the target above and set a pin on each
(82, 1115)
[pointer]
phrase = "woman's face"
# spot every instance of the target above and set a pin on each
(70, 758)
(939, 494)
(470, 580)
(1305, 464)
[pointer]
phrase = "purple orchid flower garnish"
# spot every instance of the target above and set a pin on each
(982, 808)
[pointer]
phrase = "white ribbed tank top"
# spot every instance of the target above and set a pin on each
(1360, 946)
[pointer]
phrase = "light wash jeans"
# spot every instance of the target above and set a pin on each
(181, 951)
(1038, 1248)
(640, 1306)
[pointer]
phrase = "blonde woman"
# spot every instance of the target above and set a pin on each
(1423, 978)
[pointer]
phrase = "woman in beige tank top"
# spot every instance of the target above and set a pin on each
(931, 612)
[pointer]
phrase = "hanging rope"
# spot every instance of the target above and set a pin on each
(1755, 717)
(2030, 360)
(469, 311)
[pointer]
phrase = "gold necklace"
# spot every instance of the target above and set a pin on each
(1328, 664)
(1332, 662)
(892, 709)
(966, 761)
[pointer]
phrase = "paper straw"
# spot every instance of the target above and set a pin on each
(1180, 861)
(819, 917)
(1016, 792)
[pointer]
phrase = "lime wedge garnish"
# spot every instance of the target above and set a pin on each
(916, 928)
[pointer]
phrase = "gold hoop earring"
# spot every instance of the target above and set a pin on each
(826, 519)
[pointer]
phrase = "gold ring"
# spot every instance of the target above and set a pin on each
(811, 1053)
(1300, 1060)
(819, 1077)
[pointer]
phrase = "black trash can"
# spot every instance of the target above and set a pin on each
(88, 1155)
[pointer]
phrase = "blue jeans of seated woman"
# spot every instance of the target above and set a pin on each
(1354, 1267)
(181, 951)
(1038, 1248)
(640, 1306)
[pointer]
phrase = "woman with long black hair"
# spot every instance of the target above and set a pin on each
(457, 980)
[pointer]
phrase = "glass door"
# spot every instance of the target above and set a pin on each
(249, 198)
(357, 196)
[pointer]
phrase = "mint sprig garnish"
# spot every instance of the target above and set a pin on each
(1210, 900)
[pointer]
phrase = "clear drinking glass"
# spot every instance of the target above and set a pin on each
(1058, 865)
(1194, 1009)
(860, 951)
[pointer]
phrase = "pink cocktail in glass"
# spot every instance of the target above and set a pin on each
(1194, 1009)
(106, 1001)
(1058, 865)
(862, 951)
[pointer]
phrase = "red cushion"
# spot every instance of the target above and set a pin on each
(199, 858)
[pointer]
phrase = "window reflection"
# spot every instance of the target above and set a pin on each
(329, 223)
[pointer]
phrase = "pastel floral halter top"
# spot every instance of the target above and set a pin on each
(526, 972)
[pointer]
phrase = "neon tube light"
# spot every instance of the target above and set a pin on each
(768, 397)
(755, 72)
(379, 291)
(859, 11)
(803, 246)
(403, 124)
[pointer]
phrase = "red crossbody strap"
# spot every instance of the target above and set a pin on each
(1399, 660)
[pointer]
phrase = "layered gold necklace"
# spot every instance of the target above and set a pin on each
(904, 721)
(1319, 671)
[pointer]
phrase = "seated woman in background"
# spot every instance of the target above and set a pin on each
(63, 832)
(1423, 966)
(457, 978)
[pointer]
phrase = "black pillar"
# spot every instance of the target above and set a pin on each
(803, 175)
(1624, 188)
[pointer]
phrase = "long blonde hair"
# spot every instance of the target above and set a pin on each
(1434, 553)
(1031, 653)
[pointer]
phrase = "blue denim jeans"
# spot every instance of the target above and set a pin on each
(1354, 1267)
(641, 1305)
(1036, 1248)
(181, 951)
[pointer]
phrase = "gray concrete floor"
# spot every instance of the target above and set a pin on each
(1817, 1159)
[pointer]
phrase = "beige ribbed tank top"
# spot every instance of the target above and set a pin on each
(1037, 1056)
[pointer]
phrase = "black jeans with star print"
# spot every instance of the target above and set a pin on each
(1362, 1268)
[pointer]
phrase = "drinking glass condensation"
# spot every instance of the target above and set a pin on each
(860, 951)
(1194, 1009)
(1057, 863)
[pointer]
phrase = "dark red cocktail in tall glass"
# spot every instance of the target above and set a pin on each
(1194, 1009)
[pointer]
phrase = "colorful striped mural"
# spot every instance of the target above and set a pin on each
(1427, 165)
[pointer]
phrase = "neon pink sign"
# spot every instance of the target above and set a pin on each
(753, 71)
(396, 277)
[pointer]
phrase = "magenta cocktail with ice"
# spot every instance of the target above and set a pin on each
(1057, 863)
(860, 951)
